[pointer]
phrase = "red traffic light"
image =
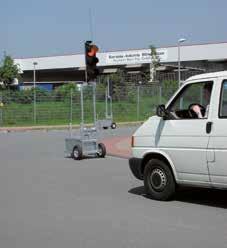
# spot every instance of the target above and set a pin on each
(93, 50)
(91, 61)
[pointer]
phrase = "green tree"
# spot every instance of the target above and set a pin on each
(168, 88)
(154, 56)
(120, 87)
(155, 62)
(8, 71)
(101, 91)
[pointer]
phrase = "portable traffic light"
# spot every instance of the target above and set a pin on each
(91, 60)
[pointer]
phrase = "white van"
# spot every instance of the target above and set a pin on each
(186, 142)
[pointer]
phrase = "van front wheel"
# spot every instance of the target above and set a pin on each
(158, 180)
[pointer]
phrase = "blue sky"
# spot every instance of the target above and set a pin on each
(52, 27)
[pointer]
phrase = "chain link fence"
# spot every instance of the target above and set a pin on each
(131, 103)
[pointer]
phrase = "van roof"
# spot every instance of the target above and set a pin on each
(208, 75)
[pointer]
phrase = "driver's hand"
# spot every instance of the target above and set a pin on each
(197, 110)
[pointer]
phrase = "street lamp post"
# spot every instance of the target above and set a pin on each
(34, 90)
(179, 76)
(138, 100)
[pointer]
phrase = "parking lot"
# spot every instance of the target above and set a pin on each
(48, 200)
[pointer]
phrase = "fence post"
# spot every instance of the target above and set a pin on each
(71, 111)
(94, 101)
(34, 105)
(138, 102)
(160, 93)
(1, 110)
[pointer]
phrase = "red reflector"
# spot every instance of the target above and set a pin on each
(132, 141)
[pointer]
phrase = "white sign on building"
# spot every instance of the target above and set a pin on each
(134, 57)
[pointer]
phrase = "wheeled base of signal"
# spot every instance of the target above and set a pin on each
(106, 123)
(77, 148)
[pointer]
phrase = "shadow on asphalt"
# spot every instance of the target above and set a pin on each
(207, 197)
(84, 158)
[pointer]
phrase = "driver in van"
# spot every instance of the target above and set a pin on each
(207, 89)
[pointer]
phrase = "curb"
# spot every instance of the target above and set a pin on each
(59, 127)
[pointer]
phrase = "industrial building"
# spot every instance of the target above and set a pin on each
(55, 70)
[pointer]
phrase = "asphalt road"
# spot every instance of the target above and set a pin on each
(47, 200)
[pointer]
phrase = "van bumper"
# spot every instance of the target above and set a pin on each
(135, 166)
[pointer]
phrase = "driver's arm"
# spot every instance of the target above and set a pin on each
(197, 110)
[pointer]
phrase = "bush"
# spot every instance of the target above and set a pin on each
(23, 96)
(64, 91)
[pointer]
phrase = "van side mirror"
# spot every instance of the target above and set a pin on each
(161, 110)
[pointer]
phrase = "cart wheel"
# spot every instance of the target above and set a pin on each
(113, 125)
(105, 127)
(77, 153)
(101, 150)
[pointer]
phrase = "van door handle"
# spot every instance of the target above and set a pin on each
(209, 126)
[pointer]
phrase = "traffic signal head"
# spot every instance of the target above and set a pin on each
(91, 60)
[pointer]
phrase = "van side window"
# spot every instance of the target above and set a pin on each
(223, 103)
(193, 101)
